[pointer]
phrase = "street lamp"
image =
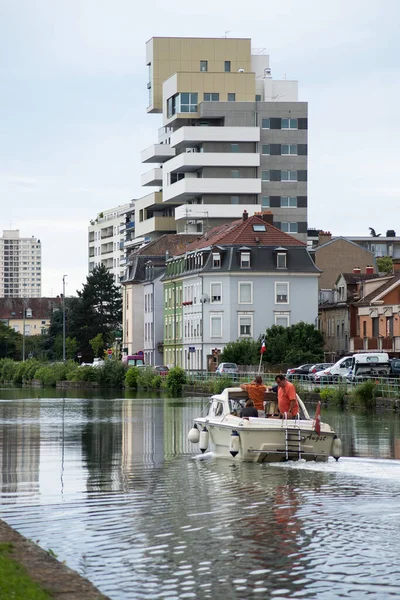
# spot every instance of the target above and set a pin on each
(23, 330)
(63, 309)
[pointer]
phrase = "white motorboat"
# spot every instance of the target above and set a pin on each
(262, 439)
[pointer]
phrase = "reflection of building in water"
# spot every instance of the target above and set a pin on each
(20, 447)
(177, 422)
(142, 432)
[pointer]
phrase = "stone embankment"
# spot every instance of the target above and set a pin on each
(57, 579)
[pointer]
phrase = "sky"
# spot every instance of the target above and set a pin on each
(73, 103)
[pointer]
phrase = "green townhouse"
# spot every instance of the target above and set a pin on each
(173, 314)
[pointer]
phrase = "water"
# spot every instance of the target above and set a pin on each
(112, 486)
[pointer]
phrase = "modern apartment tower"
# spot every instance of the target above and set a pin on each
(233, 139)
(20, 266)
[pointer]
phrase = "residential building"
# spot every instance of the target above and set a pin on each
(142, 299)
(20, 266)
(28, 316)
(337, 310)
(378, 314)
(110, 235)
(387, 245)
(234, 282)
(233, 139)
(340, 255)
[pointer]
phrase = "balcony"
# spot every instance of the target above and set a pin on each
(214, 211)
(157, 153)
(152, 177)
(192, 161)
(192, 136)
(189, 187)
(156, 223)
(388, 344)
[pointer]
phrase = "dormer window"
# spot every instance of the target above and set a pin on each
(281, 260)
(28, 313)
(216, 260)
(245, 260)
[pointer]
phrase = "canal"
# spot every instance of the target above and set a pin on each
(112, 486)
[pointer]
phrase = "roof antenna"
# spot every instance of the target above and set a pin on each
(226, 32)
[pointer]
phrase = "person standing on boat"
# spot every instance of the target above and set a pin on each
(249, 410)
(256, 391)
(287, 397)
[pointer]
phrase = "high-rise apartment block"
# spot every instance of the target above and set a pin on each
(20, 266)
(233, 139)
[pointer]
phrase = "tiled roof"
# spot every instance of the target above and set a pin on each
(42, 308)
(353, 278)
(385, 286)
(242, 232)
(173, 243)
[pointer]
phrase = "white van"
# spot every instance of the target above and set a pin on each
(340, 369)
(375, 364)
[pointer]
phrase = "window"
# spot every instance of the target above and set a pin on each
(289, 149)
(245, 260)
(289, 124)
(235, 173)
(231, 97)
(188, 102)
(215, 326)
(211, 97)
(258, 97)
(216, 260)
(235, 148)
(245, 325)
(281, 292)
(234, 199)
(288, 175)
(203, 66)
(281, 260)
(265, 149)
(265, 123)
(289, 227)
(282, 319)
(288, 202)
(216, 292)
(227, 66)
(265, 175)
(265, 201)
(259, 227)
(245, 292)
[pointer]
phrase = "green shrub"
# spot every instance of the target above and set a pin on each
(365, 394)
(111, 374)
(145, 378)
(220, 383)
(176, 378)
(8, 368)
(338, 395)
(131, 378)
(85, 373)
(46, 375)
(156, 382)
(326, 394)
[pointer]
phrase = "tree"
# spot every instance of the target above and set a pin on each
(242, 352)
(299, 343)
(10, 342)
(97, 344)
(385, 264)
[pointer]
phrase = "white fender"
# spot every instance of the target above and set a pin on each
(336, 449)
(234, 445)
(204, 435)
(194, 435)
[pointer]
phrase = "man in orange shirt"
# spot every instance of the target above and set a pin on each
(256, 391)
(287, 397)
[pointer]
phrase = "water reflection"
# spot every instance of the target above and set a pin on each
(114, 488)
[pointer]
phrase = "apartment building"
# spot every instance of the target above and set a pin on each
(233, 139)
(20, 266)
(110, 237)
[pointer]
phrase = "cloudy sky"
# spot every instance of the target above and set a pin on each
(73, 98)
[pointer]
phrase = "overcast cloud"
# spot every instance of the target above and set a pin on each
(73, 108)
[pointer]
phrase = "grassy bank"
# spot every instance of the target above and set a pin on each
(14, 581)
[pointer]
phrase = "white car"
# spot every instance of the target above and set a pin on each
(337, 372)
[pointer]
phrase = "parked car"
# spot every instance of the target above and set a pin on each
(319, 367)
(395, 367)
(227, 369)
(336, 372)
(162, 370)
(301, 372)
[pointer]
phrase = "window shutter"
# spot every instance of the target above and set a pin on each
(302, 149)
(274, 149)
(302, 175)
(275, 123)
(302, 227)
(302, 123)
(301, 201)
(274, 201)
(274, 175)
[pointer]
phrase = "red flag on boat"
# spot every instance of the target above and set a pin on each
(263, 347)
(317, 419)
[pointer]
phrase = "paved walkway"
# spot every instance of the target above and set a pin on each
(56, 578)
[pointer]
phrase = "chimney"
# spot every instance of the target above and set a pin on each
(268, 217)
(324, 237)
(396, 265)
(356, 271)
(245, 215)
(369, 270)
